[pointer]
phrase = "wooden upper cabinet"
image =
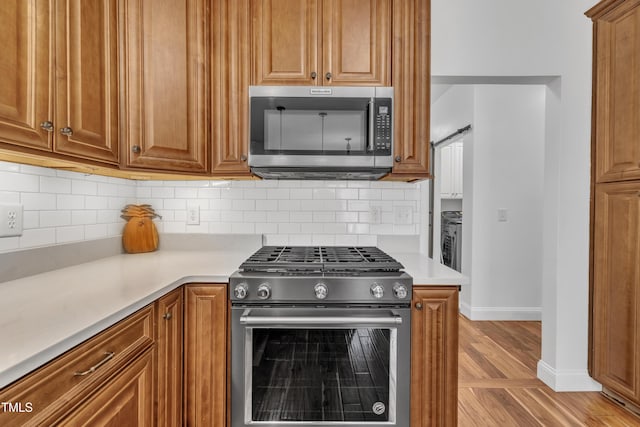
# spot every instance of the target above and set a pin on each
(86, 113)
(616, 92)
(27, 73)
(61, 98)
(321, 42)
(165, 85)
(230, 80)
(356, 42)
(412, 88)
(616, 288)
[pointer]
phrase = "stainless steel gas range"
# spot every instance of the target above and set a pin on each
(320, 336)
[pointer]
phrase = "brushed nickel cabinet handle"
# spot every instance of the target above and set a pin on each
(398, 159)
(167, 316)
(328, 76)
(314, 75)
(136, 149)
(243, 157)
(66, 131)
(107, 356)
(48, 126)
(418, 306)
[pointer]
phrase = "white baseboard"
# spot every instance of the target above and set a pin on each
(500, 313)
(566, 379)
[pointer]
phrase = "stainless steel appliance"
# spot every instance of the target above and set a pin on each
(320, 336)
(451, 239)
(321, 132)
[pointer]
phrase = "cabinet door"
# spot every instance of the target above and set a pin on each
(616, 94)
(165, 85)
(356, 42)
(446, 174)
(285, 42)
(434, 356)
(126, 400)
(169, 348)
(206, 355)
(87, 81)
(616, 288)
(457, 169)
(26, 64)
(230, 79)
(412, 86)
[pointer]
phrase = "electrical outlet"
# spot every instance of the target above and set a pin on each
(402, 215)
(193, 215)
(375, 214)
(10, 220)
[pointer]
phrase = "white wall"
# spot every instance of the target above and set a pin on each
(508, 166)
(542, 38)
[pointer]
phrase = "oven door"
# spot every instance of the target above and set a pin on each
(320, 366)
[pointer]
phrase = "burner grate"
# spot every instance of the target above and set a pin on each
(320, 259)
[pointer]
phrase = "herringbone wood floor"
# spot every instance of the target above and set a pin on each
(498, 386)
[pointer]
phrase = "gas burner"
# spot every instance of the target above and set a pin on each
(320, 259)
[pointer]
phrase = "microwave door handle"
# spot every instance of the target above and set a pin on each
(371, 117)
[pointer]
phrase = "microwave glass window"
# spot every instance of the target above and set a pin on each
(315, 130)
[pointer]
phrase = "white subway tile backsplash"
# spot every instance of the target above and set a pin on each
(73, 233)
(52, 184)
(87, 188)
(55, 218)
(38, 201)
(69, 201)
(63, 206)
(14, 181)
(37, 237)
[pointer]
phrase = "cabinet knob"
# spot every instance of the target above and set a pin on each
(66, 131)
(314, 75)
(243, 157)
(167, 316)
(136, 149)
(398, 159)
(48, 126)
(418, 306)
(328, 76)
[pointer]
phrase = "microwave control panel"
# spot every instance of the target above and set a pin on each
(382, 125)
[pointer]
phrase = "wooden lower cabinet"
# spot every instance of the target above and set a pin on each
(616, 289)
(169, 340)
(126, 400)
(434, 356)
(205, 355)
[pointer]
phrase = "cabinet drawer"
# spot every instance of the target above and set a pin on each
(57, 387)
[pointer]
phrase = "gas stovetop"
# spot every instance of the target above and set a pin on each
(312, 274)
(325, 259)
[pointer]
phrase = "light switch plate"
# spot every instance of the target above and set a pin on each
(10, 220)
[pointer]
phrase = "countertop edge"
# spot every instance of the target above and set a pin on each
(38, 360)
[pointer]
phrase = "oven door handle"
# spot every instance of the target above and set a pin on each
(318, 320)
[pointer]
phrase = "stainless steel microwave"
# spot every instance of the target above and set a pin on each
(315, 132)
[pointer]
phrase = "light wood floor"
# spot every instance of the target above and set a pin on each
(498, 385)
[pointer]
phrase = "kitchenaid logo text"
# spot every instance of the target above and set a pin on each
(16, 406)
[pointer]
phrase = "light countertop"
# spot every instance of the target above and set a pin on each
(44, 315)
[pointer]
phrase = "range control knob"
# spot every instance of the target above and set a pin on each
(240, 291)
(264, 291)
(321, 290)
(377, 291)
(400, 291)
